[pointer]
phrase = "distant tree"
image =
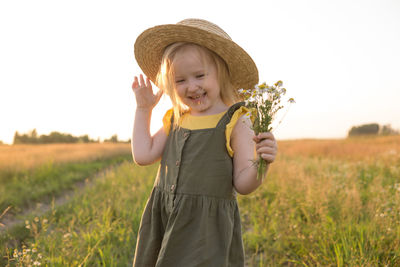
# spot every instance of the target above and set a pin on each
(29, 138)
(113, 139)
(16, 139)
(54, 137)
(372, 129)
(84, 139)
(33, 135)
(388, 130)
(366, 129)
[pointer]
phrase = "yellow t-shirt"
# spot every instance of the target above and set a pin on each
(191, 122)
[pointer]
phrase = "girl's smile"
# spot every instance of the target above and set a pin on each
(197, 99)
(196, 82)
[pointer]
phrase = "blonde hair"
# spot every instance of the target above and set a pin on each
(166, 78)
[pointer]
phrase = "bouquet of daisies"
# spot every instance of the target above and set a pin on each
(264, 101)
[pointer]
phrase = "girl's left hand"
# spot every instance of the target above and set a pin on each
(266, 146)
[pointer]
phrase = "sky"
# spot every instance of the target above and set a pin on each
(68, 66)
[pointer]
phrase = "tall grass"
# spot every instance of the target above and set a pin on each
(324, 203)
(28, 173)
(25, 188)
(98, 228)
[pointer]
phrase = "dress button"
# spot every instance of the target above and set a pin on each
(172, 187)
(177, 163)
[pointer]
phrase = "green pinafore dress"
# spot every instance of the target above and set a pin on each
(192, 217)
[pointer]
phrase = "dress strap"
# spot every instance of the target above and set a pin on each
(228, 115)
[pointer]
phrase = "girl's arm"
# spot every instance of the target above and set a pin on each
(247, 148)
(146, 149)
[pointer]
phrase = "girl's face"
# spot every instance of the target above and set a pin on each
(196, 82)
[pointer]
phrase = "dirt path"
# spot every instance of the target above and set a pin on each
(8, 220)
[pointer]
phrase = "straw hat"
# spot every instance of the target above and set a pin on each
(150, 45)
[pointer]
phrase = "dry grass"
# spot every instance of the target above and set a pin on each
(22, 157)
(327, 203)
(323, 203)
(385, 148)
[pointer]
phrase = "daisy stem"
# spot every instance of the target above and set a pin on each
(261, 169)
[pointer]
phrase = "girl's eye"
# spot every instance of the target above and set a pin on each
(200, 76)
(180, 81)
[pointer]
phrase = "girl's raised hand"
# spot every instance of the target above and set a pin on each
(145, 98)
(266, 146)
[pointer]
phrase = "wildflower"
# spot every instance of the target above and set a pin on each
(278, 83)
(36, 219)
(264, 101)
(36, 263)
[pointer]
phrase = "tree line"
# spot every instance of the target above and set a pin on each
(32, 137)
(372, 129)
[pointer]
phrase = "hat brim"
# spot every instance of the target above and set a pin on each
(150, 46)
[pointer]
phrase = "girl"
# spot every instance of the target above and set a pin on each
(192, 217)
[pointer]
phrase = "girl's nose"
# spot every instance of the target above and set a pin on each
(193, 86)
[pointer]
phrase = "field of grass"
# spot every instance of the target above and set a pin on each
(327, 203)
(30, 173)
(23, 157)
(324, 203)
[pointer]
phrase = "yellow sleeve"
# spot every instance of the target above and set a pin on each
(229, 127)
(167, 120)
